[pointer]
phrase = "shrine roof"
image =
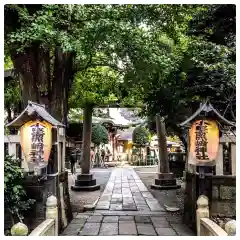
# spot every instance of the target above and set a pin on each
(207, 107)
(31, 110)
(115, 117)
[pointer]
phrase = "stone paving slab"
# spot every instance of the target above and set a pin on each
(72, 229)
(142, 219)
(160, 222)
(127, 228)
(126, 207)
(182, 230)
(146, 229)
(110, 219)
(90, 229)
(78, 221)
(165, 232)
(126, 218)
(95, 219)
(108, 229)
(82, 216)
(116, 206)
(130, 213)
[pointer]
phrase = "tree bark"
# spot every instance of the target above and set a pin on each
(87, 133)
(44, 81)
(162, 145)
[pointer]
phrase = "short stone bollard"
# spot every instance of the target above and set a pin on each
(19, 229)
(230, 228)
(52, 211)
(202, 211)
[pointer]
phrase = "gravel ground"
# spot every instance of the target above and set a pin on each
(79, 199)
(172, 198)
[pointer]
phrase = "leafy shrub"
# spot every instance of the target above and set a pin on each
(99, 135)
(15, 199)
(141, 136)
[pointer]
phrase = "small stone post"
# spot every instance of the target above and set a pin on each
(230, 228)
(202, 210)
(52, 211)
(19, 229)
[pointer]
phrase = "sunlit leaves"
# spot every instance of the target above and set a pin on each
(97, 85)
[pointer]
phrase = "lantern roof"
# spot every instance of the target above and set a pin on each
(34, 109)
(207, 108)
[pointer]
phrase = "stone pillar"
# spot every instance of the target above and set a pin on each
(219, 163)
(202, 211)
(86, 147)
(163, 166)
(113, 147)
(12, 149)
(164, 179)
(233, 158)
(52, 211)
(85, 181)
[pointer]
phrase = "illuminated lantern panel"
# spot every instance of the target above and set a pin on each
(204, 140)
(36, 141)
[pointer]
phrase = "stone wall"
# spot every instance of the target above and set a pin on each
(223, 196)
(221, 191)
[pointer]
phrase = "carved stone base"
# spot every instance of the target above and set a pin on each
(165, 181)
(85, 182)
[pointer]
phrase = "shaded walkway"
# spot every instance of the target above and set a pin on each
(126, 207)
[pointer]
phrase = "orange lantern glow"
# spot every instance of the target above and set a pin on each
(26, 136)
(204, 141)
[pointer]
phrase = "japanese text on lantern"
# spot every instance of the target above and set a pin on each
(201, 140)
(204, 141)
(37, 151)
(36, 141)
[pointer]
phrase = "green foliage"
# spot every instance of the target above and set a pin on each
(173, 74)
(166, 57)
(99, 135)
(95, 86)
(15, 199)
(7, 63)
(12, 94)
(140, 136)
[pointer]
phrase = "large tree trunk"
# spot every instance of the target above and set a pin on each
(162, 145)
(87, 134)
(63, 76)
(45, 81)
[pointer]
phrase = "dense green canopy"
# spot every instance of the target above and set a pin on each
(167, 58)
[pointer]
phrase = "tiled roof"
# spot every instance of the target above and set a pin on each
(34, 109)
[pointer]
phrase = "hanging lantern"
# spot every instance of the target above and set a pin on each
(204, 141)
(36, 141)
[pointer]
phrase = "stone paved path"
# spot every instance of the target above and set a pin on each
(126, 207)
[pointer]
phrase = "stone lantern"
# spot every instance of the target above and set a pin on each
(205, 127)
(43, 144)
